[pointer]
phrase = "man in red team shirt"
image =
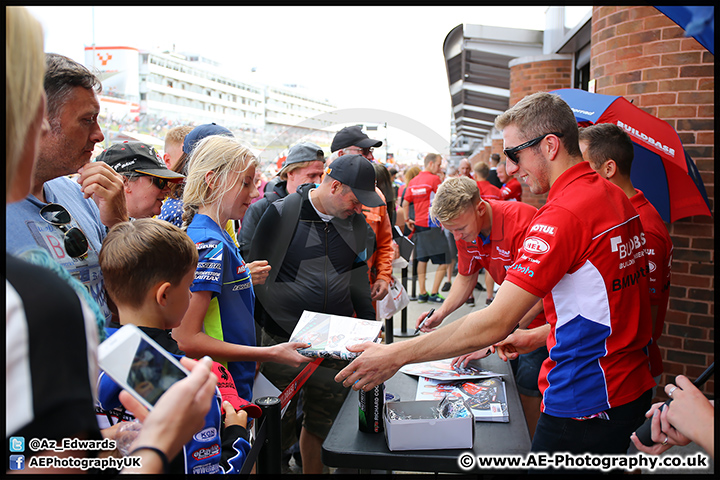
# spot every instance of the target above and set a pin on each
(465, 168)
(430, 241)
(488, 191)
(488, 234)
(511, 189)
(609, 151)
(588, 267)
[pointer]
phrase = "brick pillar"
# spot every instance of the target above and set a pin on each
(540, 73)
(533, 74)
(497, 147)
(639, 53)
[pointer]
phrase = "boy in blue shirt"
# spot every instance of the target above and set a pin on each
(149, 266)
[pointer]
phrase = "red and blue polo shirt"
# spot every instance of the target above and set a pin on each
(584, 254)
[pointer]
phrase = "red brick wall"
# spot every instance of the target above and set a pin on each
(497, 146)
(539, 76)
(639, 53)
(536, 75)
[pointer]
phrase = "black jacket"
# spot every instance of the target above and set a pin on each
(254, 213)
(318, 267)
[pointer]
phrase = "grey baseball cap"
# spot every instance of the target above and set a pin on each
(304, 152)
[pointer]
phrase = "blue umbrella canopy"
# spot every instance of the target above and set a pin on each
(661, 168)
(698, 22)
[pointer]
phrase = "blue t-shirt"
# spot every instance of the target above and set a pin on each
(25, 230)
(230, 316)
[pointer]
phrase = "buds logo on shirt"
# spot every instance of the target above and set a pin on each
(536, 245)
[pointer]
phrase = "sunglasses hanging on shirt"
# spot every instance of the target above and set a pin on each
(76, 243)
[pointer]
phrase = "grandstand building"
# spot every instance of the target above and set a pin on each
(157, 89)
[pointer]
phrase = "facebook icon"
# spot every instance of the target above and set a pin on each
(17, 462)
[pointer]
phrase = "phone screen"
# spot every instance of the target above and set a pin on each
(151, 374)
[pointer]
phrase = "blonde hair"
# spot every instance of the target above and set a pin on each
(453, 196)
(225, 157)
(24, 73)
(411, 173)
(137, 255)
(292, 167)
(176, 135)
(481, 170)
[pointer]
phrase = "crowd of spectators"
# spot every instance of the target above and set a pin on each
(236, 253)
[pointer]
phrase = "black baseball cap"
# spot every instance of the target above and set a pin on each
(350, 136)
(356, 172)
(137, 157)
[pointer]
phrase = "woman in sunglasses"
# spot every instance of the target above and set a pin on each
(146, 178)
(220, 319)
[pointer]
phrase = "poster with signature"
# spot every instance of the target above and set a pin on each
(329, 335)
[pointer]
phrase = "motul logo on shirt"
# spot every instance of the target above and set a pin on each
(550, 230)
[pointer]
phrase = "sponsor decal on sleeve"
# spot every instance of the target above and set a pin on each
(536, 245)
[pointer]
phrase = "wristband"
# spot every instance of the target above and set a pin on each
(161, 454)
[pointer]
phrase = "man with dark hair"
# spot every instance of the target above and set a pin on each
(610, 153)
(69, 217)
(582, 256)
(492, 176)
(315, 240)
(346, 141)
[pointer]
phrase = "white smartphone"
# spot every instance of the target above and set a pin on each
(139, 365)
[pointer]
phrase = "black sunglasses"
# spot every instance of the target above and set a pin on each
(76, 243)
(161, 183)
(511, 153)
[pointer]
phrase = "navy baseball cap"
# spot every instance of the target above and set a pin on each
(202, 131)
(356, 172)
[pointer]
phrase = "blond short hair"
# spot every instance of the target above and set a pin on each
(224, 156)
(24, 76)
(482, 171)
(453, 196)
(176, 135)
(292, 167)
(139, 254)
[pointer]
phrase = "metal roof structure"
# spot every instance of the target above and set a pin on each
(476, 58)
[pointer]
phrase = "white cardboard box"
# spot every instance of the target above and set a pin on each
(426, 433)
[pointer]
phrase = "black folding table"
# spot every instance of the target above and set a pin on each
(347, 447)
